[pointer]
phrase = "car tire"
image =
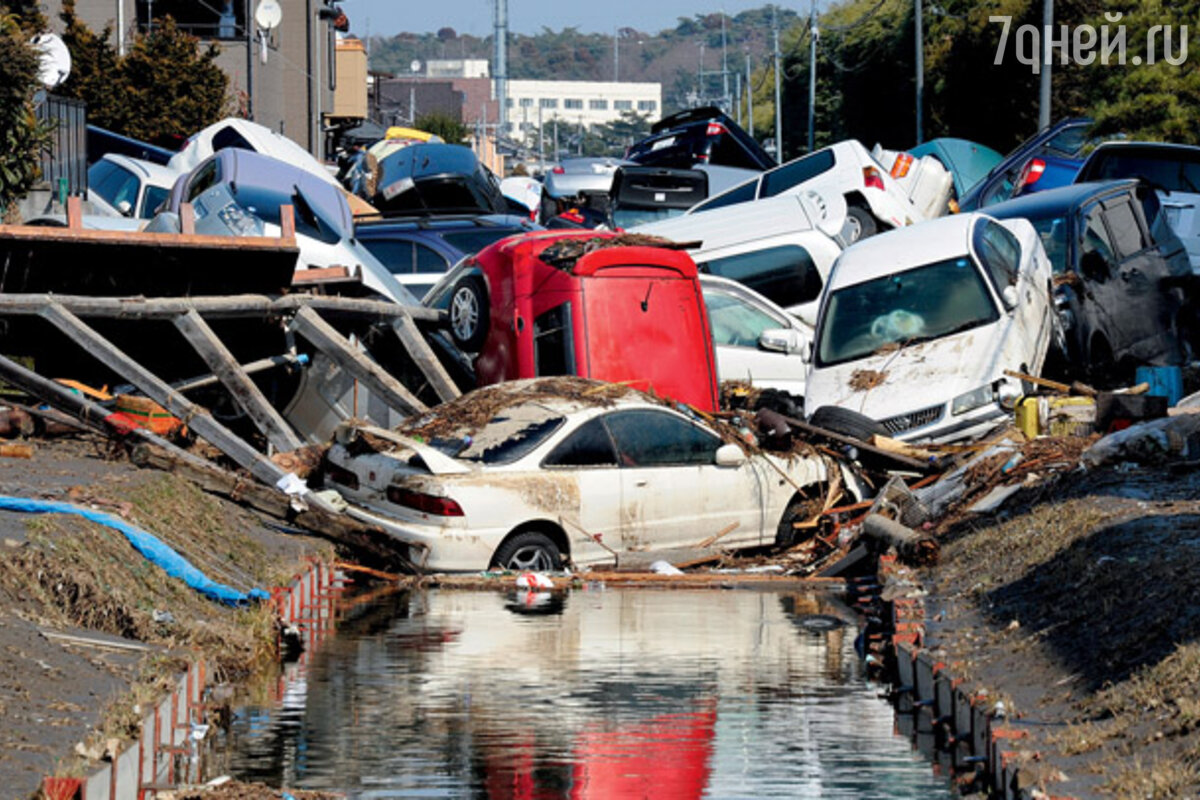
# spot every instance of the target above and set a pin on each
(468, 312)
(528, 551)
(859, 224)
(785, 532)
(847, 423)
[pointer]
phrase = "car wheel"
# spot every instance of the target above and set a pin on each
(799, 509)
(859, 224)
(847, 422)
(529, 551)
(469, 313)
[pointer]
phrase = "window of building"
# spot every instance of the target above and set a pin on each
(549, 102)
(526, 102)
(623, 105)
(573, 103)
(508, 102)
(647, 105)
(598, 105)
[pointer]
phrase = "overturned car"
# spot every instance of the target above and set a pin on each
(535, 474)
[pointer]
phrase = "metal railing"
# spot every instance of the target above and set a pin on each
(64, 166)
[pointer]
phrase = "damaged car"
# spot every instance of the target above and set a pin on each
(919, 326)
(539, 474)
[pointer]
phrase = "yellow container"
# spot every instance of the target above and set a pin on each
(1056, 416)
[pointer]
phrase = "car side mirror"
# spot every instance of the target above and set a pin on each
(729, 455)
(779, 340)
(125, 207)
(1010, 296)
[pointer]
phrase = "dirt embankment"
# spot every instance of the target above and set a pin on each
(89, 630)
(1076, 607)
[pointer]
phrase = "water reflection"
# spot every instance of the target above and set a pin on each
(597, 694)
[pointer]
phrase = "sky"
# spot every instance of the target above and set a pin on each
(389, 17)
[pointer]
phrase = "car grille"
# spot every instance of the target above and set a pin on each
(906, 422)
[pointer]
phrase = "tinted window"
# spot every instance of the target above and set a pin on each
(590, 446)
(154, 197)
(472, 241)
(426, 259)
(729, 152)
(553, 345)
(1096, 255)
(202, 180)
(397, 256)
(999, 251)
(736, 322)
(1123, 226)
(1170, 169)
(784, 274)
(647, 438)
(738, 194)
(229, 137)
(796, 172)
(114, 183)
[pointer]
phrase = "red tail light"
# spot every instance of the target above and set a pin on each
(558, 170)
(1032, 172)
(425, 503)
(343, 476)
(715, 129)
(872, 179)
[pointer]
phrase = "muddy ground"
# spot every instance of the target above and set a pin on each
(89, 629)
(1078, 608)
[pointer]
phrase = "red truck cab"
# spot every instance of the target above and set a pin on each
(586, 303)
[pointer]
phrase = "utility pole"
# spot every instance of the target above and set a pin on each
(616, 57)
(541, 140)
(749, 97)
(920, 37)
(778, 90)
(700, 76)
(249, 23)
(737, 95)
(500, 57)
(724, 62)
(1047, 61)
(308, 70)
(813, 34)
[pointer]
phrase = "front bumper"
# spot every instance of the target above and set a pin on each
(948, 428)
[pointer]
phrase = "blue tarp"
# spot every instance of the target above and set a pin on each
(149, 545)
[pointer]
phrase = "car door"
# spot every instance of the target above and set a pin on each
(737, 326)
(672, 492)
(1011, 262)
(594, 531)
(1101, 299)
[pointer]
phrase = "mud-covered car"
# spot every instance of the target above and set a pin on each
(538, 473)
(918, 327)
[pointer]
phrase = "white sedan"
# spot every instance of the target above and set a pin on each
(535, 474)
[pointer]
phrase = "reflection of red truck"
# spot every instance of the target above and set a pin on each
(620, 313)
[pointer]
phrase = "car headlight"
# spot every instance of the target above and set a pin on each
(972, 400)
(1008, 393)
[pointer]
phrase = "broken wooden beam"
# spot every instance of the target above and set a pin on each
(424, 357)
(913, 547)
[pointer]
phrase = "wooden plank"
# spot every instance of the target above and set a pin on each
(157, 390)
(326, 339)
(320, 275)
(426, 360)
(187, 219)
(75, 212)
(244, 391)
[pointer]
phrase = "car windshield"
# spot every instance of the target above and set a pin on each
(154, 197)
(1052, 228)
(265, 203)
(929, 302)
(1166, 169)
(631, 216)
(509, 435)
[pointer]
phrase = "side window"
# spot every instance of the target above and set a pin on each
(397, 256)
(797, 172)
(999, 191)
(229, 137)
(202, 180)
(739, 194)
(784, 274)
(647, 438)
(589, 446)
(999, 251)
(1124, 227)
(428, 260)
(734, 322)
(1096, 257)
(553, 344)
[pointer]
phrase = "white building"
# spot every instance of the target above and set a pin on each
(456, 68)
(579, 102)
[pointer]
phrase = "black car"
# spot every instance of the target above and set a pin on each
(699, 136)
(1117, 271)
(645, 194)
(436, 179)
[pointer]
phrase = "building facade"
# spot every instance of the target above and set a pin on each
(579, 102)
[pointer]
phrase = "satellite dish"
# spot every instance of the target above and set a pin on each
(415, 66)
(54, 65)
(268, 14)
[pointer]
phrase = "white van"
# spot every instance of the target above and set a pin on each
(782, 247)
(918, 326)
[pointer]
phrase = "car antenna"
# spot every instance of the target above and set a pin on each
(646, 299)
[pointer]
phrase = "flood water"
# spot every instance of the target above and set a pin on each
(599, 694)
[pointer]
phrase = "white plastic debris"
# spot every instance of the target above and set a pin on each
(292, 485)
(665, 568)
(534, 580)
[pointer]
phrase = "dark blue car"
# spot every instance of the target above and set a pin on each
(1118, 268)
(1046, 160)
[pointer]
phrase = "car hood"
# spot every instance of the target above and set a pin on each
(914, 377)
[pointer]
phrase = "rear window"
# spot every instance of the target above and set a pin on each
(508, 436)
(738, 194)
(471, 242)
(1175, 170)
(796, 172)
(784, 274)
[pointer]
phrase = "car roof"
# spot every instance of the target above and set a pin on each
(734, 224)
(903, 248)
(1050, 201)
(1121, 144)
(154, 174)
(564, 394)
(426, 222)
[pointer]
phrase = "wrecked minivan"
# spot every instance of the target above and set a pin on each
(918, 326)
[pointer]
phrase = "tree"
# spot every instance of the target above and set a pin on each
(444, 125)
(22, 138)
(166, 86)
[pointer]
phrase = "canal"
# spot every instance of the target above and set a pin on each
(617, 693)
